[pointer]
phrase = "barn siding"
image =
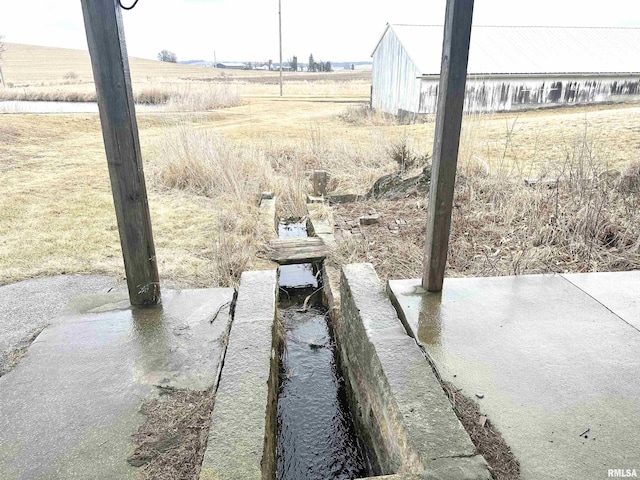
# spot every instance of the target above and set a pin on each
(395, 83)
(489, 95)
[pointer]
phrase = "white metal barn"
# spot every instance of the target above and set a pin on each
(509, 67)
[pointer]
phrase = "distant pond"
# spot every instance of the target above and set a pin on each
(58, 107)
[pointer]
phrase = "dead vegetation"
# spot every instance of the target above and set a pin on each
(204, 163)
(12, 358)
(363, 114)
(204, 171)
(170, 445)
(484, 435)
(187, 98)
(584, 218)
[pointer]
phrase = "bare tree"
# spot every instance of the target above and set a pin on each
(167, 56)
(3, 48)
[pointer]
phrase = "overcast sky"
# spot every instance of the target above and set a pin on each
(247, 30)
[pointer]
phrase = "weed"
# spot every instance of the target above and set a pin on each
(401, 152)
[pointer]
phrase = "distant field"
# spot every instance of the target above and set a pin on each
(32, 65)
(47, 73)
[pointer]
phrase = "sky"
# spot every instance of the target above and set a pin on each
(247, 30)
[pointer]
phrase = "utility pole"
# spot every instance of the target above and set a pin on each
(280, 31)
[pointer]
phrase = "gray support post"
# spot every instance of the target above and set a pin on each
(453, 77)
(105, 36)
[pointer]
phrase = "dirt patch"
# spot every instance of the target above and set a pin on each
(10, 360)
(394, 245)
(484, 435)
(171, 443)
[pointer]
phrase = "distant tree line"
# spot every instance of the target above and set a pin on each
(167, 56)
(319, 66)
(313, 66)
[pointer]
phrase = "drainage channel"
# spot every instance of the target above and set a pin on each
(316, 436)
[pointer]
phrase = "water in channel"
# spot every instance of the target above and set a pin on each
(317, 439)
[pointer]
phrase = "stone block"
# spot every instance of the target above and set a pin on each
(320, 180)
(369, 219)
(402, 408)
(256, 297)
(242, 436)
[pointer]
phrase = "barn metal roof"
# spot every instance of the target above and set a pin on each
(529, 50)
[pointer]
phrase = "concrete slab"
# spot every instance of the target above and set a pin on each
(320, 226)
(549, 361)
(27, 306)
(68, 410)
(618, 291)
(241, 442)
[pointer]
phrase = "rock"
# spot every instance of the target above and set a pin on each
(394, 185)
(343, 198)
(547, 182)
(369, 219)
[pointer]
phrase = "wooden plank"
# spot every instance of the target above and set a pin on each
(288, 251)
(107, 48)
(453, 75)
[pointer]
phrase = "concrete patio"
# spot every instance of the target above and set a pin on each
(70, 407)
(552, 360)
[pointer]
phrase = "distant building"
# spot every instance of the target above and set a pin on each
(231, 65)
(509, 67)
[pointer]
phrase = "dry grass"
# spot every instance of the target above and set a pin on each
(484, 435)
(9, 360)
(588, 222)
(204, 97)
(204, 174)
(171, 443)
(362, 114)
(48, 95)
(209, 97)
(204, 171)
(205, 163)
(31, 64)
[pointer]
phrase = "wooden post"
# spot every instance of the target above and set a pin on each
(453, 77)
(320, 180)
(105, 36)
